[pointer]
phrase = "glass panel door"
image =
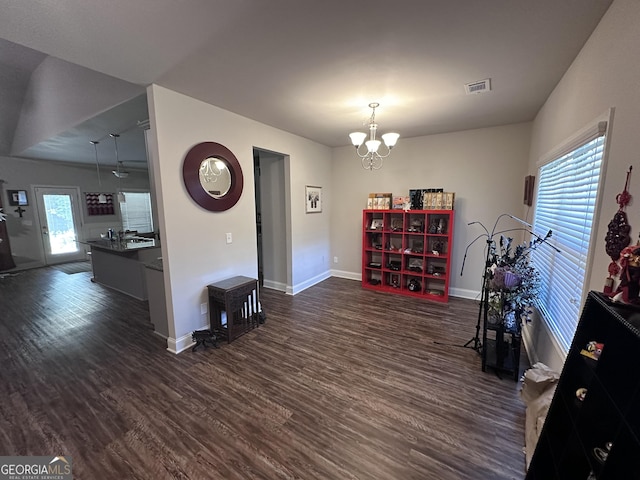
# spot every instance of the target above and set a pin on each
(59, 222)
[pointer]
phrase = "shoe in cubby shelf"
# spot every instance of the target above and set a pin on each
(408, 252)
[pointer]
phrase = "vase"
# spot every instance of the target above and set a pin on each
(511, 280)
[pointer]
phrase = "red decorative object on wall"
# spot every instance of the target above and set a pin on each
(96, 207)
(618, 237)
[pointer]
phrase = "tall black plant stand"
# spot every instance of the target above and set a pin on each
(475, 343)
(502, 343)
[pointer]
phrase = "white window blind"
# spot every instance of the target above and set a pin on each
(565, 204)
(136, 212)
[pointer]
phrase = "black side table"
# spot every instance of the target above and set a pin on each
(238, 297)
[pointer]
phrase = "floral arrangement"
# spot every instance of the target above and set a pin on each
(513, 283)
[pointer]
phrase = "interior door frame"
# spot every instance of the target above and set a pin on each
(77, 212)
(265, 211)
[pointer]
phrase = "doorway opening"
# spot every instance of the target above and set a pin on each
(271, 219)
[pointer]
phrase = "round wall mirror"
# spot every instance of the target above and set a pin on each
(213, 176)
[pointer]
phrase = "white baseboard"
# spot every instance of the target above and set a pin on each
(309, 283)
(181, 344)
(454, 292)
(464, 293)
(281, 287)
(347, 275)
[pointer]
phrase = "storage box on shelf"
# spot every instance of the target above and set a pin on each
(408, 252)
(592, 429)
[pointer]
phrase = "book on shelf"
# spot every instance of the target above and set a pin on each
(379, 201)
(426, 200)
(437, 200)
(399, 203)
(418, 199)
(448, 203)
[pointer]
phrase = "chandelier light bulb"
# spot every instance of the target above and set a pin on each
(372, 145)
(357, 138)
(390, 139)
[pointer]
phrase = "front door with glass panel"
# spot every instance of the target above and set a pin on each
(59, 215)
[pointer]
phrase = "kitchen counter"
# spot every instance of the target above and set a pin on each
(125, 246)
(120, 264)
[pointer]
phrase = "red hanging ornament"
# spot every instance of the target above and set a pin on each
(618, 238)
(623, 199)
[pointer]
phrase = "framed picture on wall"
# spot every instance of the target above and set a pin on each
(100, 204)
(18, 198)
(313, 199)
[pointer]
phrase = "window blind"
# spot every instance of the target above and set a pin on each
(136, 212)
(565, 204)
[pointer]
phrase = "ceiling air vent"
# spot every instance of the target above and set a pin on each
(480, 86)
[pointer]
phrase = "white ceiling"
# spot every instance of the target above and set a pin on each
(309, 67)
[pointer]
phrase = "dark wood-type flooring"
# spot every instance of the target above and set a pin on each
(340, 384)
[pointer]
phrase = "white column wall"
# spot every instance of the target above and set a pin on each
(194, 247)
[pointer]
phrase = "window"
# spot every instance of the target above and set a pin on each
(565, 205)
(136, 212)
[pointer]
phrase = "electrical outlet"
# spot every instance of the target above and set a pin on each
(203, 308)
(229, 238)
(335, 259)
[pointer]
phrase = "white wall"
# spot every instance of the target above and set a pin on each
(274, 225)
(484, 167)
(21, 174)
(195, 253)
(605, 74)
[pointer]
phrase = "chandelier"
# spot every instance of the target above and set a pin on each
(210, 169)
(371, 158)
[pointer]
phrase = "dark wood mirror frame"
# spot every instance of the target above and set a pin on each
(191, 177)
